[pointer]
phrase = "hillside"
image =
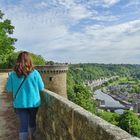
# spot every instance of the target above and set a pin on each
(96, 71)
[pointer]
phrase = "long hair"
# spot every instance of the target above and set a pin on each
(23, 64)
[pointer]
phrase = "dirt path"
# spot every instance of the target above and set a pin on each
(8, 122)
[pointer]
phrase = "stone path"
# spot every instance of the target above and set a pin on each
(8, 122)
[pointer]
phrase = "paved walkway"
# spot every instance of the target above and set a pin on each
(8, 122)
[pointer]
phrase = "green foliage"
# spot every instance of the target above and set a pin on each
(82, 97)
(130, 122)
(136, 89)
(11, 60)
(70, 86)
(50, 63)
(6, 42)
(78, 92)
(109, 116)
(38, 59)
(96, 71)
(90, 71)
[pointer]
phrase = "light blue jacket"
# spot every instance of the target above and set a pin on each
(29, 93)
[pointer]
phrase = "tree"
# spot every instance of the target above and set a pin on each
(109, 116)
(50, 62)
(83, 97)
(38, 59)
(6, 42)
(130, 122)
(11, 60)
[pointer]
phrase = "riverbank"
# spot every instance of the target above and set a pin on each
(109, 101)
(117, 99)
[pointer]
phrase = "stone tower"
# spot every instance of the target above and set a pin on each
(54, 77)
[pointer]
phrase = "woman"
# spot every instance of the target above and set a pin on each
(25, 84)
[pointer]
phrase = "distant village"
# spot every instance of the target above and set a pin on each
(124, 96)
(99, 82)
(115, 91)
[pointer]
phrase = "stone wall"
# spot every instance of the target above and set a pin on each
(60, 119)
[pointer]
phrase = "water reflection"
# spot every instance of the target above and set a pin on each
(109, 101)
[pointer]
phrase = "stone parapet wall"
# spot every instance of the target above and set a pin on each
(5, 70)
(61, 119)
(53, 68)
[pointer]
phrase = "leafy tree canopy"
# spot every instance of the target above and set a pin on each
(109, 116)
(130, 122)
(37, 60)
(6, 41)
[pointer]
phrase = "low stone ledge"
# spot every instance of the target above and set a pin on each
(53, 68)
(61, 119)
(5, 70)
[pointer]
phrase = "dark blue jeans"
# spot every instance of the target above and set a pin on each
(27, 120)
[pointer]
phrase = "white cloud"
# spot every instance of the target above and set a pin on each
(67, 3)
(113, 33)
(79, 12)
(134, 4)
(41, 5)
(105, 17)
(49, 33)
(75, 11)
(110, 2)
(118, 43)
(103, 3)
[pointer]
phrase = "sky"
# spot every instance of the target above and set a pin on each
(77, 31)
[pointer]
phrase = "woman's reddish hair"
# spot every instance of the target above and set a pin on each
(23, 64)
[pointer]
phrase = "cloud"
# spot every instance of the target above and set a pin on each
(79, 12)
(41, 5)
(67, 3)
(135, 3)
(75, 11)
(46, 29)
(103, 3)
(114, 34)
(109, 3)
(116, 42)
(105, 17)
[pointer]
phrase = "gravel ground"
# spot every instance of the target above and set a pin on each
(8, 120)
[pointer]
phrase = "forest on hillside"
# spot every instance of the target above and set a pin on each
(92, 71)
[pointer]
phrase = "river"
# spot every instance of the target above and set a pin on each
(109, 101)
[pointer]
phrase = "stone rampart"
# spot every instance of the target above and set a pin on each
(61, 119)
(5, 70)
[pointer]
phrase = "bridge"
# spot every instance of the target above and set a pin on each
(59, 119)
(113, 108)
